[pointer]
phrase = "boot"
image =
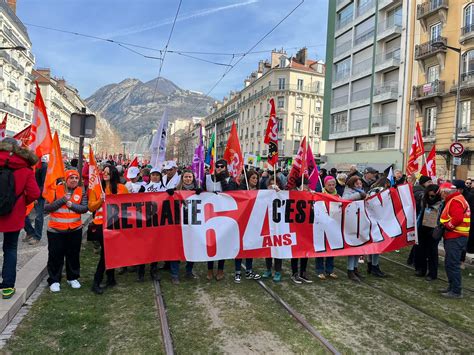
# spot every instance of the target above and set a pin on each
(154, 275)
(97, 289)
(357, 273)
(210, 275)
(220, 275)
(369, 267)
(352, 276)
(377, 272)
(110, 283)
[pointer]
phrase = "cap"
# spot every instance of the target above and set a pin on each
(170, 164)
(447, 185)
(222, 162)
(460, 184)
(370, 170)
(133, 172)
(155, 170)
(423, 179)
(70, 173)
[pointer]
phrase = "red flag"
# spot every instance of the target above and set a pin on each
(24, 137)
(233, 154)
(416, 151)
(41, 140)
(429, 169)
(133, 163)
(299, 167)
(313, 173)
(271, 135)
(55, 170)
(3, 128)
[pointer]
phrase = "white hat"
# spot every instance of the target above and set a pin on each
(133, 172)
(170, 164)
(155, 170)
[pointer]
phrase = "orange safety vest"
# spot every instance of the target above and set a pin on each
(99, 213)
(463, 228)
(63, 218)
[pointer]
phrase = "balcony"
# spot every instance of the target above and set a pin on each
(359, 125)
(5, 57)
(338, 127)
(12, 86)
(467, 33)
(386, 3)
(427, 50)
(467, 84)
(341, 49)
(360, 97)
(341, 3)
(340, 102)
(385, 123)
(385, 62)
(366, 8)
(362, 69)
(389, 29)
(343, 22)
(386, 92)
(364, 36)
(429, 8)
(341, 77)
(433, 91)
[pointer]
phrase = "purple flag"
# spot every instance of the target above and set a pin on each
(198, 161)
(313, 172)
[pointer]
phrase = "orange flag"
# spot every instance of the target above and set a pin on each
(94, 177)
(233, 154)
(55, 170)
(41, 141)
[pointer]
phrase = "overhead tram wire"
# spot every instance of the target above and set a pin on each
(163, 56)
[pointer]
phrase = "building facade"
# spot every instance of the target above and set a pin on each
(435, 76)
(366, 66)
(16, 80)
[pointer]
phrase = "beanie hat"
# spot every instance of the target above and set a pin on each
(460, 184)
(70, 173)
(222, 162)
(423, 179)
(328, 178)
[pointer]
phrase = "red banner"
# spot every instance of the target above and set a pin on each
(142, 228)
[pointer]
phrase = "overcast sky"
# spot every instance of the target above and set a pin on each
(224, 26)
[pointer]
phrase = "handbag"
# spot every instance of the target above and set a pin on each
(438, 232)
(94, 232)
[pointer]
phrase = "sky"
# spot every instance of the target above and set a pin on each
(215, 26)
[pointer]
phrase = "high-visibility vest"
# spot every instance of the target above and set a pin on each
(463, 228)
(64, 218)
(99, 213)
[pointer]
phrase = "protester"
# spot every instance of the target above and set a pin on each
(461, 187)
(369, 178)
(399, 178)
(171, 177)
(111, 186)
(34, 234)
(353, 191)
(134, 185)
(353, 172)
(426, 257)
(65, 231)
(155, 184)
(341, 183)
(252, 179)
(468, 184)
(456, 218)
(15, 162)
(325, 265)
(145, 174)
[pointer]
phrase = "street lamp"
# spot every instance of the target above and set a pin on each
(441, 45)
(16, 48)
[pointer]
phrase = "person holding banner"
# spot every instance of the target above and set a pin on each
(252, 179)
(155, 184)
(15, 166)
(110, 186)
(65, 231)
(325, 266)
(171, 177)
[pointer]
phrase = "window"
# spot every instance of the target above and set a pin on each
(247, 132)
(430, 122)
(260, 108)
(433, 73)
(317, 128)
(468, 18)
(269, 83)
(281, 102)
(299, 85)
(280, 124)
(253, 112)
(365, 143)
(282, 62)
(387, 142)
(465, 110)
(248, 114)
(435, 31)
(345, 16)
(339, 122)
(467, 66)
(298, 124)
(342, 69)
(317, 106)
(299, 103)
(281, 83)
(344, 146)
(296, 146)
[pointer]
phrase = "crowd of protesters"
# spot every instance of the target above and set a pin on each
(443, 211)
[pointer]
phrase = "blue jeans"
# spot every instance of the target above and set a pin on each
(10, 246)
(374, 259)
(328, 268)
(174, 268)
(352, 262)
(37, 231)
(248, 264)
(452, 261)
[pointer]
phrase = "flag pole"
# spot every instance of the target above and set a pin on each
(246, 180)
(215, 156)
(302, 165)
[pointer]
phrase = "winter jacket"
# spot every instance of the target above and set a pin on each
(352, 194)
(20, 160)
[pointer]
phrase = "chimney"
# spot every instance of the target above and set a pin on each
(247, 82)
(302, 55)
(275, 59)
(61, 84)
(260, 66)
(12, 4)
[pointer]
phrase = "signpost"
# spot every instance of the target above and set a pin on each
(456, 149)
(457, 161)
(82, 125)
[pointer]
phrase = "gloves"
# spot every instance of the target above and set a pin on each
(363, 195)
(198, 191)
(170, 192)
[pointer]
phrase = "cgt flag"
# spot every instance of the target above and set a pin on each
(313, 173)
(233, 154)
(429, 169)
(271, 135)
(3, 128)
(24, 137)
(55, 170)
(299, 167)
(41, 140)
(417, 150)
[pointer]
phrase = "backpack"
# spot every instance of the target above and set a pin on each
(7, 190)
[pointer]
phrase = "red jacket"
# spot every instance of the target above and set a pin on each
(20, 160)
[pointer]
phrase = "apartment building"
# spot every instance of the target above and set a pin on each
(435, 76)
(16, 80)
(365, 83)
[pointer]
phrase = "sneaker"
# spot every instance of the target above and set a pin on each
(296, 279)
(463, 265)
(277, 277)
(237, 278)
(111, 283)
(305, 279)
(444, 290)
(8, 292)
(191, 276)
(74, 283)
(27, 238)
(451, 295)
(33, 241)
(322, 276)
(55, 287)
(250, 275)
(175, 281)
(430, 278)
(332, 275)
(267, 274)
(361, 260)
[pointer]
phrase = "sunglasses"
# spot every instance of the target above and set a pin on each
(432, 195)
(220, 166)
